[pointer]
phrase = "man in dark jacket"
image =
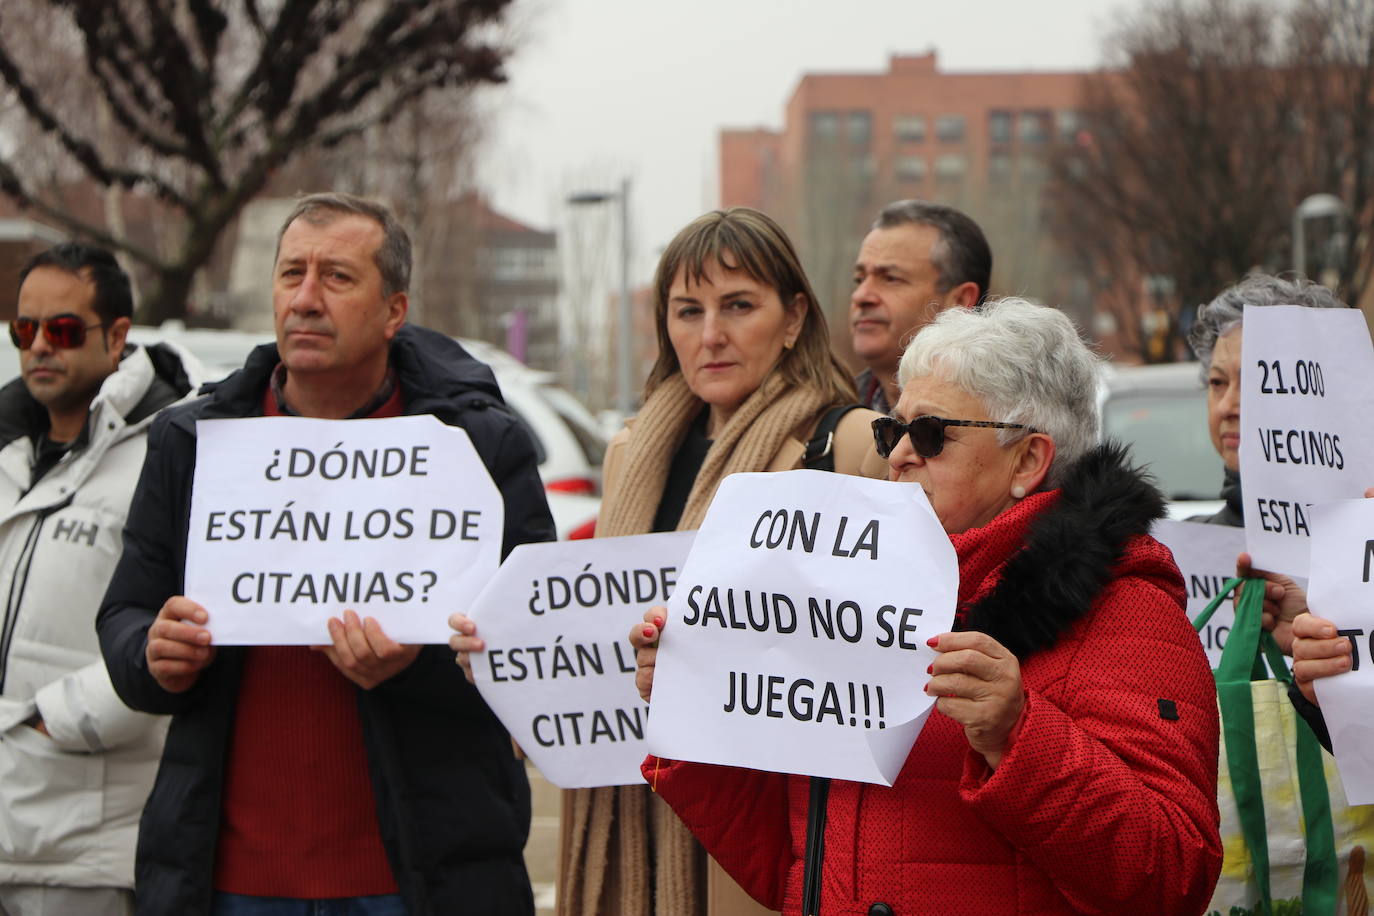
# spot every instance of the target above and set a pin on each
(366, 770)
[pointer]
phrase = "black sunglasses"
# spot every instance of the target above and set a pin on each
(64, 332)
(927, 433)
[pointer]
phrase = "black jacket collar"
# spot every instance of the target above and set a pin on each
(1069, 552)
(433, 370)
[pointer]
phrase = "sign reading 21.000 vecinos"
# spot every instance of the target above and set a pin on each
(1307, 398)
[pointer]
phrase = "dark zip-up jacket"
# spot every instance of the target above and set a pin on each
(453, 803)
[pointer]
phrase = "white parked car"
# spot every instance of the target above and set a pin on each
(1161, 413)
(567, 440)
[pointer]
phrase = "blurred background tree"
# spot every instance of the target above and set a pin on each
(185, 110)
(1211, 123)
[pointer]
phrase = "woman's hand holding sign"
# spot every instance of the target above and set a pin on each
(979, 685)
(463, 641)
(178, 644)
(644, 638)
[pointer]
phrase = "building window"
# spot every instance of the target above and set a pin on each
(864, 166)
(909, 128)
(999, 167)
(825, 125)
(1035, 127)
(1067, 122)
(950, 128)
(860, 128)
(1033, 168)
(951, 167)
(999, 126)
(911, 168)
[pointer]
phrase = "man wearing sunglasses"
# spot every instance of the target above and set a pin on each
(367, 777)
(75, 762)
(918, 260)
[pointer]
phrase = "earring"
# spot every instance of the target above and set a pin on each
(1018, 491)
(787, 344)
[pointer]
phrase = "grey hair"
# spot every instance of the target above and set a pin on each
(393, 255)
(960, 253)
(1025, 362)
(1225, 313)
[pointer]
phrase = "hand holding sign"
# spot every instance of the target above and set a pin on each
(178, 646)
(363, 653)
(979, 685)
(1318, 651)
(644, 640)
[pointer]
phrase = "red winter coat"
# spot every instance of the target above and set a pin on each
(1106, 801)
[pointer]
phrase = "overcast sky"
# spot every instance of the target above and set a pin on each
(603, 89)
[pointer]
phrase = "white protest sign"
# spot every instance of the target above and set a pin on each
(295, 520)
(1206, 555)
(1307, 402)
(796, 639)
(559, 670)
(1340, 590)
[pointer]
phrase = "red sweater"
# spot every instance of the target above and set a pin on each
(1101, 805)
(299, 818)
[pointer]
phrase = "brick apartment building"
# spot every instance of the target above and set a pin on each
(851, 142)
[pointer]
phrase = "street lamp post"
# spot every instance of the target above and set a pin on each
(624, 380)
(1314, 206)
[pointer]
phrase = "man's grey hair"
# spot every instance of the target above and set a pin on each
(393, 255)
(1224, 313)
(960, 255)
(1025, 362)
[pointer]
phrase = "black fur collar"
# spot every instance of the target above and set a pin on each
(1069, 552)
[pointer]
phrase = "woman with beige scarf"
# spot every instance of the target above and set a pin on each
(743, 379)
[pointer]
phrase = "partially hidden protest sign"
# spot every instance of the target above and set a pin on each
(295, 520)
(1206, 555)
(796, 639)
(559, 670)
(1340, 589)
(1307, 402)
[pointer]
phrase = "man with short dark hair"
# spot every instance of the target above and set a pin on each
(919, 259)
(75, 762)
(369, 774)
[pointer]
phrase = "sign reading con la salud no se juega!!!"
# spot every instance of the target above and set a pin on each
(558, 669)
(796, 635)
(295, 520)
(1307, 399)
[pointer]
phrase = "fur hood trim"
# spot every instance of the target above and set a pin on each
(1069, 552)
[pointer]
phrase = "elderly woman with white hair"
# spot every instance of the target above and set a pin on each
(1071, 764)
(1215, 337)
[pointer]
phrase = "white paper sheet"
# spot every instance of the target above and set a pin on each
(1307, 402)
(1206, 555)
(1341, 591)
(558, 669)
(295, 520)
(796, 639)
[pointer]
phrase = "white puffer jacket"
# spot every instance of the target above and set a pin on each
(70, 803)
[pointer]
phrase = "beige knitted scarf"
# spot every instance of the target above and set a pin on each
(623, 851)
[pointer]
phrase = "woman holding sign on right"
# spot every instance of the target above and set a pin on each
(1071, 763)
